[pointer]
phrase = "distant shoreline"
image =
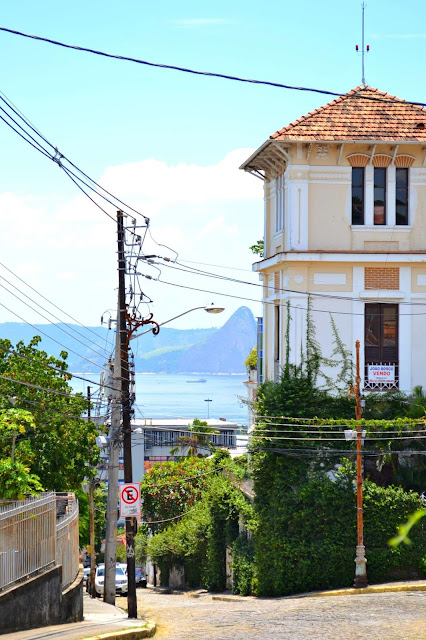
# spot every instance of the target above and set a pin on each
(161, 373)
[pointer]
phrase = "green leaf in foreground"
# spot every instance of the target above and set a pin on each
(404, 529)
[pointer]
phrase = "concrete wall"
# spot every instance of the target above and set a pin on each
(40, 602)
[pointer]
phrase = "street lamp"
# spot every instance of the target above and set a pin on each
(208, 400)
(360, 580)
(211, 308)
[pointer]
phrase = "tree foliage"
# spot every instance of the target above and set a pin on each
(258, 248)
(57, 442)
(197, 542)
(169, 488)
(199, 441)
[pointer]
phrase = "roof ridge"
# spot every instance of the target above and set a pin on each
(358, 114)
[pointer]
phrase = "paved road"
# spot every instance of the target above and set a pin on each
(393, 616)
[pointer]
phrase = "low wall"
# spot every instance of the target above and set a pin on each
(39, 602)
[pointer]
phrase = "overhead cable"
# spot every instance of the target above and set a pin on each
(197, 72)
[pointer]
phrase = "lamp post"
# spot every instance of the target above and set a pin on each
(360, 580)
(208, 400)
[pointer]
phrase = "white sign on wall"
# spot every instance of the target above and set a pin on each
(381, 373)
(130, 499)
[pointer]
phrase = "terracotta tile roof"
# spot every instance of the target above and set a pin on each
(364, 113)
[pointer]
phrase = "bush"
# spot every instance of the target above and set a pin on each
(306, 530)
(243, 564)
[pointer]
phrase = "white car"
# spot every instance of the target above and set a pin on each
(121, 582)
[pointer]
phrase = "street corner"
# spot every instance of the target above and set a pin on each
(145, 630)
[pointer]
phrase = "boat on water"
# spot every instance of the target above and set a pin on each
(199, 380)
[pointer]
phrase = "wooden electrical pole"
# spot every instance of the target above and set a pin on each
(126, 414)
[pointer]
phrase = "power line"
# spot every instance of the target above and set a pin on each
(271, 302)
(49, 366)
(312, 294)
(200, 73)
(50, 302)
(59, 159)
(50, 338)
(48, 320)
(40, 388)
(33, 128)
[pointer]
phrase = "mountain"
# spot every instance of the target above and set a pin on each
(221, 350)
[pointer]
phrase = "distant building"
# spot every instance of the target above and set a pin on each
(153, 440)
(345, 221)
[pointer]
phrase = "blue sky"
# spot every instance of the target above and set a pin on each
(166, 142)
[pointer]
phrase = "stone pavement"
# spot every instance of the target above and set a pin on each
(99, 618)
(389, 611)
(390, 614)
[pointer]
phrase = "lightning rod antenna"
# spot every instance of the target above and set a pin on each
(363, 49)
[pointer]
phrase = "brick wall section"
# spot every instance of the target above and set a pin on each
(381, 278)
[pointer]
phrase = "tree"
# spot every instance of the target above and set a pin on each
(198, 440)
(170, 488)
(59, 444)
(16, 456)
(251, 360)
(258, 248)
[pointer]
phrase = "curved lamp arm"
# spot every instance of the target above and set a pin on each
(210, 309)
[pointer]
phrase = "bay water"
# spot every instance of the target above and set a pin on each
(183, 396)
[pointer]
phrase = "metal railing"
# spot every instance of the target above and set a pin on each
(67, 539)
(33, 539)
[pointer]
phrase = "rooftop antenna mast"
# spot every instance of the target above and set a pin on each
(363, 49)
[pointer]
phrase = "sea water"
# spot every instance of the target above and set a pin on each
(182, 396)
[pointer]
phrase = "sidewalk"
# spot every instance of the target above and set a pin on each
(100, 619)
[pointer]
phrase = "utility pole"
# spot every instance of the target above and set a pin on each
(360, 580)
(91, 518)
(113, 461)
(126, 414)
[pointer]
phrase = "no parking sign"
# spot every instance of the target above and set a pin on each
(130, 500)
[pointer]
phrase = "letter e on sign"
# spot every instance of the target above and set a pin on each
(130, 499)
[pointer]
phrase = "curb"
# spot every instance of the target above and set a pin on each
(231, 598)
(146, 630)
(388, 588)
(373, 589)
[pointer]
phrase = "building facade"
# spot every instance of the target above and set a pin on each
(345, 227)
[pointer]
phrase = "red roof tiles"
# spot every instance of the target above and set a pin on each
(365, 113)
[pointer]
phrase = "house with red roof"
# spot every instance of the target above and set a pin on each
(345, 227)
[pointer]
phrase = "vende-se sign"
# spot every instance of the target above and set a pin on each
(130, 499)
(381, 373)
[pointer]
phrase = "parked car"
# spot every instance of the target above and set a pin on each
(121, 582)
(86, 575)
(140, 577)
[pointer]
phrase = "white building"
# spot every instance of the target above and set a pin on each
(153, 440)
(345, 221)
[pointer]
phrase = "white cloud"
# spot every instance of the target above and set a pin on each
(154, 184)
(207, 213)
(217, 224)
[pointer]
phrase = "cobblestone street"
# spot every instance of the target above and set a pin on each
(393, 616)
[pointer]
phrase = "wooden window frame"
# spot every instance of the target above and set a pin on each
(407, 195)
(358, 209)
(381, 171)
